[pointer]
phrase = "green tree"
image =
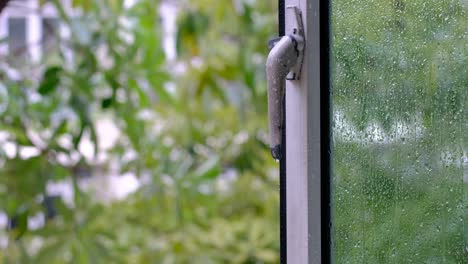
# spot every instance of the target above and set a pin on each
(209, 196)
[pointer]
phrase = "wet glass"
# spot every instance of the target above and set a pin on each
(400, 131)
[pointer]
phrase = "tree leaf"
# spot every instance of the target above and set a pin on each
(50, 80)
(106, 103)
(19, 223)
(210, 169)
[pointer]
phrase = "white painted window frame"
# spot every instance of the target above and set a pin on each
(307, 144)
(33, 15)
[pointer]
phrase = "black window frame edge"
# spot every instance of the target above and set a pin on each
(326, 132)
(282, 165)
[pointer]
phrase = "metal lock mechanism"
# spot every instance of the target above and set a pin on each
(284, 62)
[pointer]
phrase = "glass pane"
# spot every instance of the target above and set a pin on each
(17, 36)
(50, 33)
(400, 91)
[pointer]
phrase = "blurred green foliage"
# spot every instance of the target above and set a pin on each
(197, 128)
(198, 134)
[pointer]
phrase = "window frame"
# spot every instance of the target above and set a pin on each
(306, 166)
(33, 15)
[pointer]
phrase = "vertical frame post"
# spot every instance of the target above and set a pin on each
(283, 239)
(308, 143)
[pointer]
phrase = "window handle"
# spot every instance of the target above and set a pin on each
(283, 63)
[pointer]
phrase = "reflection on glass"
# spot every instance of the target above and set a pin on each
(400, 96)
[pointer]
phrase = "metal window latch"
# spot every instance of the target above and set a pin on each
(284, 62)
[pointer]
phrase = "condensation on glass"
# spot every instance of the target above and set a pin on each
(400, 131)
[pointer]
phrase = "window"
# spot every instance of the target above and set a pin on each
(400, 122)
(17, 36)
(31, 29)
(50, 33)
(381, 178)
